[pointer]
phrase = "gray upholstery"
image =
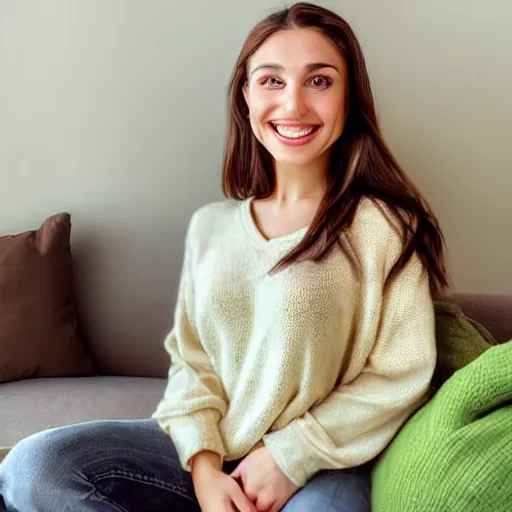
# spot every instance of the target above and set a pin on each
(28, 406)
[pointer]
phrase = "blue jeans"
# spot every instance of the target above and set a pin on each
(128, 466)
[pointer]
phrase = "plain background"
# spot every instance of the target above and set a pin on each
(114, 110)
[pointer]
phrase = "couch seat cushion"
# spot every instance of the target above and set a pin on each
(31, 405)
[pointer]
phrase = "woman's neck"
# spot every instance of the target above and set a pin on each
(296, 182)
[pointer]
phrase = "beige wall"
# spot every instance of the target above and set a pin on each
(114, 110)
(442, 77)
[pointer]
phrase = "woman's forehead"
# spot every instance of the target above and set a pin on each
(296, 49)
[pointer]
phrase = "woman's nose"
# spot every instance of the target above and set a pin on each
(294, 102)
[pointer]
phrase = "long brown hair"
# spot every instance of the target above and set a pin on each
(361, 164)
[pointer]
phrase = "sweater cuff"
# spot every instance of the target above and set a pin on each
(194, 433)
(295, 456)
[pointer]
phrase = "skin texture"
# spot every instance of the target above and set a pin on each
(263, 482)
(216, 491)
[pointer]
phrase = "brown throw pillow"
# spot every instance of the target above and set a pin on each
(38, 322)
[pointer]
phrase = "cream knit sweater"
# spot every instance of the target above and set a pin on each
(316, 361)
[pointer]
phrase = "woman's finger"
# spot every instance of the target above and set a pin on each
(237, 472)
(241, 501)
(264, 504)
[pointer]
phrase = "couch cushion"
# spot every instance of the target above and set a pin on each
(32, 405)
(39, 334)
(459, 339)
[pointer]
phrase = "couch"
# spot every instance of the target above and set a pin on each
(52, 374)
(30, 405)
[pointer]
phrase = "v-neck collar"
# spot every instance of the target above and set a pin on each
(254, 232)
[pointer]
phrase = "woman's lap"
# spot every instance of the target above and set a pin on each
(334, 491)
(125, 466)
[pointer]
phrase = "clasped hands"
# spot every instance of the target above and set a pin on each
(256, 485)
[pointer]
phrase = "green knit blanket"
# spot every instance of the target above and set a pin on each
(455, 453)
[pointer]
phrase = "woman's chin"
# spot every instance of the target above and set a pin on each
(294, 162)
(295, 158)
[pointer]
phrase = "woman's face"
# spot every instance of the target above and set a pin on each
(296, 94)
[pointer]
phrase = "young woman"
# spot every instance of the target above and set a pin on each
(304, 327)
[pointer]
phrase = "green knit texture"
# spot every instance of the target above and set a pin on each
(455, 453)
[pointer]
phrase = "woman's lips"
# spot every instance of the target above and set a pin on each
(294, 134)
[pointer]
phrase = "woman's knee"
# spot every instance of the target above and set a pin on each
(32, 467)
(60, 452)
(35, 456)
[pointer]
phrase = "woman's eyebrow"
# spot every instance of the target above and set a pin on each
(309, 67)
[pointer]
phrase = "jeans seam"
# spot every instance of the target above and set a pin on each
(129, 475)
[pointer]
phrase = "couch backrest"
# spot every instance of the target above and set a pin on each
(494, 312)
(144, 355)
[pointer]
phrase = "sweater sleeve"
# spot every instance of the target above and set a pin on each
(359, 418)
(193, 401)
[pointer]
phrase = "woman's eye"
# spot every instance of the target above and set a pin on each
(321, 82)
(272, 82)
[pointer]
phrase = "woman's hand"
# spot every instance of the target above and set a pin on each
(216, 491)
(263, 482)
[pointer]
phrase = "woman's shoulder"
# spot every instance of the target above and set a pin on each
(375, 218)
(376, 231)
(213, 216)
(214, 208)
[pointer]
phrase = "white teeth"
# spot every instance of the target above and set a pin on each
(293, 132)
